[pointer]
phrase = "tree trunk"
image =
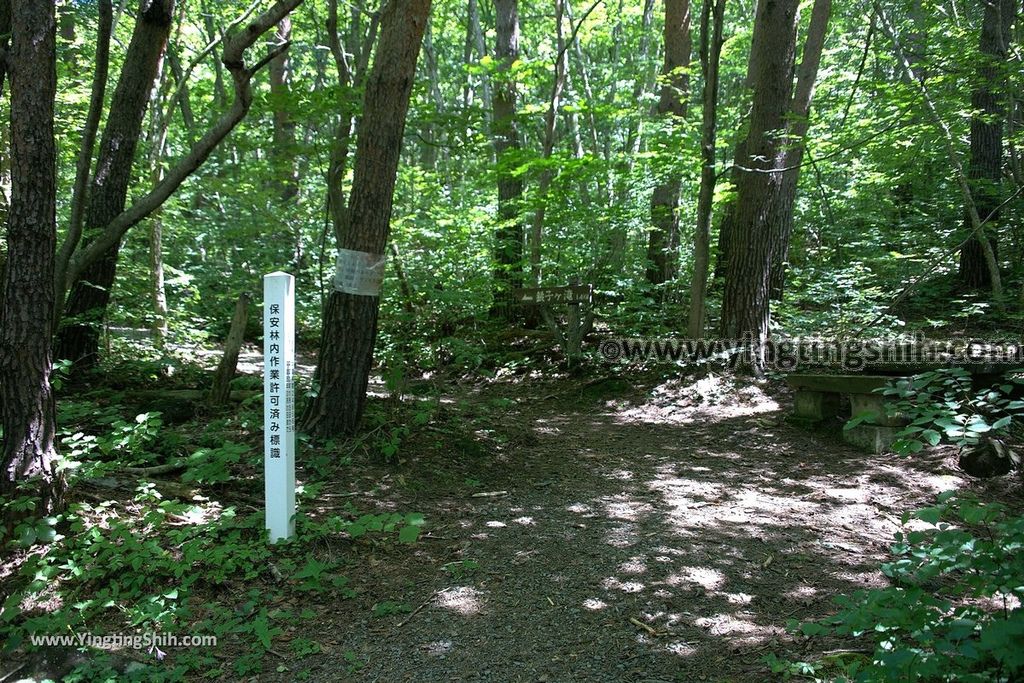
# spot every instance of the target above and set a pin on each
(988, 102)
(963, 182)
(220, 393)
(286, 180)
(86, 307)
(663, 243)
(758, 219)
(710, 59)
(799, 122)
(475, 39)
(508, 237)
(26, 319)
(156, 274)
(350, 320)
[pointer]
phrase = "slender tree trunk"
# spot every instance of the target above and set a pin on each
(984, 170)
(86, 307)
(220, 392)
(158, 123)
(799, 122)
(548, 144)
(5, 39)
(26, 319)
(663, 243)
(283, 152)
(710, 59)
(758, 219)
(475, 36)
(508, 238)
(350, 320)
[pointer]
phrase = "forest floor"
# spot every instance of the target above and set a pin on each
(625, 528)
(637, 533)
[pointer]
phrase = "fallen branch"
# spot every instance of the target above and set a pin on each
(418, 609)
(650, 631)
(155, 470)
(489, 494)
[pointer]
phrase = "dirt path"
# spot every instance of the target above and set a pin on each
(665, 538)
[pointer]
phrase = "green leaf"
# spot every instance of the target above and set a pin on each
(261, 627)
(409, 534)
(931, 515)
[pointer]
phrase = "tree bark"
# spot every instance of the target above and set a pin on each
(350, 320)
(78, 340)
(508, 237)
(220, 393)
(758, 219)
(799, 122)
(283, 152)
(663, 242)
(988, 104)
(26, 319)
(710, 58)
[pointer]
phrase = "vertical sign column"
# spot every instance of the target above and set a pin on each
(279, 403)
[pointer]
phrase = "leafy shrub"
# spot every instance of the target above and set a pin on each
(953, 612)
(942, 406)
(212, 465)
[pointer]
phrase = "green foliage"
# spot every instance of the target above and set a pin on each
(953, 612)
(212, 465)
(150, 564)
(459, 569)
(942, 406)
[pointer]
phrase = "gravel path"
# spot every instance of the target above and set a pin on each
(665, 538)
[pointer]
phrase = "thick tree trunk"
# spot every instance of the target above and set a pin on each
(663, 243)
(758, 221)
(78, 340)
(26, 319)
(508, 237)
(799, 123)
(350, 320)
(710, 58)
(988, 102)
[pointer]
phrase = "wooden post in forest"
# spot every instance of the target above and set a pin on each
(577, 326)
(221, 391)
(279, 404)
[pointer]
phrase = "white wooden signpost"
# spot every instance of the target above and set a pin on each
(279, 404)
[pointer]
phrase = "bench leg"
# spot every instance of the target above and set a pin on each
(874, 403)
(871, 438)
(815, 405)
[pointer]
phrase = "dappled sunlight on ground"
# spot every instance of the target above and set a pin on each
(464, 600)
(648, 547)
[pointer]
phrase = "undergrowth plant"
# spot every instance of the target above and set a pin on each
(150, 565)
(943, 407)
(952, 613)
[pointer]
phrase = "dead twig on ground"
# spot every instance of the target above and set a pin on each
(418, 609)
